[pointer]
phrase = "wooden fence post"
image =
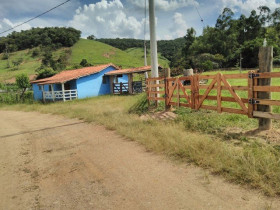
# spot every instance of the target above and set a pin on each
(250, 93)
(219, 93)
(148, 91)
(167, 75)
(265, 65)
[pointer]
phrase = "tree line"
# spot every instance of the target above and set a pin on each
(53, 37)
(232, 42)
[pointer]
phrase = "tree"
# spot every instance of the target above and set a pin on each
(91, 37)
(17, 62)
(189, 38)
(85, 63)
(22, 81)
(45, 72)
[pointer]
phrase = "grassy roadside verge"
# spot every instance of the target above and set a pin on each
(253, 163)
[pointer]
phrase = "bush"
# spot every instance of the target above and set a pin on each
(85, 63)
(44, 72)
(276, 61)
(35, 52)
(14, 98)
(5, 56)
(207, 65)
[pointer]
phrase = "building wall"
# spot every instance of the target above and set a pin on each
(37, 93)
(92, 85)
(87, 86)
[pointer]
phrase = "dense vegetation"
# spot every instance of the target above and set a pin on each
(167, 48)
(220, 46)
(52, 37)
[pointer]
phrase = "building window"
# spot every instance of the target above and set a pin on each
(50, 88)
(41, 87)
(104, 80)
(120, 75)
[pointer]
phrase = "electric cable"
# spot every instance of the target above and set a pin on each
(35, 17)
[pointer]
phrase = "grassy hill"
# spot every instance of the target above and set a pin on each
(98, 53)
(95, 52)
(139, 53)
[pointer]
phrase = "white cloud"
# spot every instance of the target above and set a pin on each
(7, 24)
(247, 6)
(179, 26)
(107, 19)
(166, 5)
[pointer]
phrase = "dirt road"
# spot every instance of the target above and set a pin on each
(51, 162)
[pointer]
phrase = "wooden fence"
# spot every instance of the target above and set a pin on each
(213, 92)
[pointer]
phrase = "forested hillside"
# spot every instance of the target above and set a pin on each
(230, 39)
(50, 37)
(220, 46)
(167, 48)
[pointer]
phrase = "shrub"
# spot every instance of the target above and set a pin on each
(207, 65)
(44, 72)
(5, 56)
(85, 63)
(35, 52)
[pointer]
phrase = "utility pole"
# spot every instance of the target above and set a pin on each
(145, 43)
(153, 41)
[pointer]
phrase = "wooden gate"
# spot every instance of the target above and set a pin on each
(215, 92)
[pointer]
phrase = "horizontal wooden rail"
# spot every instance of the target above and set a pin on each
(156, 98)
(266, 115)
(236, 76)
(155, 85)
(267, 88)
(234, 111)
(243, 88)
(223, 98)
(156, 78)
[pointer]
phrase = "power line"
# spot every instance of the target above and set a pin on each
(201, 19)
(35, 17)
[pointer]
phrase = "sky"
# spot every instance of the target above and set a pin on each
(123, 18)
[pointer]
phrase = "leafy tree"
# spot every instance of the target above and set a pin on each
(85, 63)
(45, 72)
(17, 62)
(35, 52)
(22, 81)
(91, 37)
(52, 37)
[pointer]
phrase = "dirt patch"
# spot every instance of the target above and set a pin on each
(109, 54)
(69, 164)
(13, 80)
(159, 116)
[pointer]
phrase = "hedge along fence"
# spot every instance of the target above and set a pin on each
(14, 97)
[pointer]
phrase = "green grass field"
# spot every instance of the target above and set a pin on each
(139, 53)
(28, 65)
(100, 53)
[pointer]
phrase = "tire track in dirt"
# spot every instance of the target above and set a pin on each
(51, 162)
